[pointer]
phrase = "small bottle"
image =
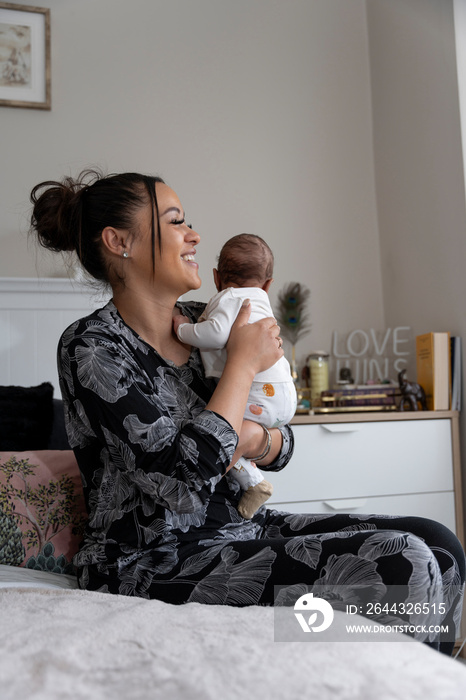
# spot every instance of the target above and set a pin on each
(318, 369)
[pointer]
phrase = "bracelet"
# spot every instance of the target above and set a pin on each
(268, 446)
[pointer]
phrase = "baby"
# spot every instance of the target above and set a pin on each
(245, 269)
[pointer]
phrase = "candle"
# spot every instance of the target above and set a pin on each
(318, 368)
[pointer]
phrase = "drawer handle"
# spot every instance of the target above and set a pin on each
(340, 427)
(346, 504)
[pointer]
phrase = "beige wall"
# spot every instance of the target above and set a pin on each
(257, 112)
(330, 127)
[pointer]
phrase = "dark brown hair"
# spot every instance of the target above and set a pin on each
(245, 258)
(70, 215)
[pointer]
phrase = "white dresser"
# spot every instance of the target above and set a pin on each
(386, 463)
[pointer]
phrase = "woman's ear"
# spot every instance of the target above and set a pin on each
(114, 241)
(266, 285)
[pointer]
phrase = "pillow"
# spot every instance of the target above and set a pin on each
(26, 415)
(21, 577)
(58, 439)
(42, 511)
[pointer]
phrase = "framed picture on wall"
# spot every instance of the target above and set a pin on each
(24, 56)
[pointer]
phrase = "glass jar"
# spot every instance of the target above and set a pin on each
(318, 370)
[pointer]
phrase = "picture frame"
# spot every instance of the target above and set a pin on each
(25, 79)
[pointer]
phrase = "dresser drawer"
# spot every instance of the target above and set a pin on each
(348, 460)
(437, 506)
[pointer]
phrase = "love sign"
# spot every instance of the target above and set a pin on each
(372, 355)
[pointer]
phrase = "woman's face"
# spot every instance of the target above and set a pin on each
(176, 271)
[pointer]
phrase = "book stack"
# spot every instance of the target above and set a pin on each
(438, 360)
(364, 397)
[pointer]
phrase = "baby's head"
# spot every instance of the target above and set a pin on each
(244, 261)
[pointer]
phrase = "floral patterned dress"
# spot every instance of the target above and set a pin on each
(163, 519)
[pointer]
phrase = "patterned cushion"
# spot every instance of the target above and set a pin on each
(42, 511)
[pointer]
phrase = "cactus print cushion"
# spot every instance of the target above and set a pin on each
(42, 511)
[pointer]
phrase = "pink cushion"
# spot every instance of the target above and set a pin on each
(42, 511)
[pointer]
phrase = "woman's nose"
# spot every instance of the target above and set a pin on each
(193, 236)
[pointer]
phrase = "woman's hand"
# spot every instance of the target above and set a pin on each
(178, 320)
(256, 345)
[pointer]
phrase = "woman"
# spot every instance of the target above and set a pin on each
(155, 439)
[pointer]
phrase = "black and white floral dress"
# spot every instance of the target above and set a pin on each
(163, 520)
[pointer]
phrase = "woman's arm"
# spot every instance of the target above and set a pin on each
(252, 442)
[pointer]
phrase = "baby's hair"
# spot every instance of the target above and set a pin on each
(245, 259)
(70, 215)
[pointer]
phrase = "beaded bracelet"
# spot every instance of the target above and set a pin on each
(268, 446)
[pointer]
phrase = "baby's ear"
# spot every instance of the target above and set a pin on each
(217, 281)
(267, 284)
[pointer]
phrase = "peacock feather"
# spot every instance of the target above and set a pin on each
(291, 313)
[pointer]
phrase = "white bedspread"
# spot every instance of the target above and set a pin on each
(69, 644)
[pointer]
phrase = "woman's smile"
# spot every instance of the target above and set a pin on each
(189, 258)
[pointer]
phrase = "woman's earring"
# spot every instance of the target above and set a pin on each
(125, 254)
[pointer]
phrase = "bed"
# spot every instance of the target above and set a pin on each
(59, 642)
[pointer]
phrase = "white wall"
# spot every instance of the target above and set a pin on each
(257, 112)
(459, 9)
(418, 163)
(419, 166)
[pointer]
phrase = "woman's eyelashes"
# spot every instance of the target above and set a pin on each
(178, 222)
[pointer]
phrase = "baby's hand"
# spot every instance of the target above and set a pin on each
(178, 320)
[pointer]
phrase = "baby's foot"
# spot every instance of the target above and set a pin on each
(253, 498)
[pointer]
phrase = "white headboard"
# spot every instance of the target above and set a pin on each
(33, 315)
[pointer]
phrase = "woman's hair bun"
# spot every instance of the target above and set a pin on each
(57, 213)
